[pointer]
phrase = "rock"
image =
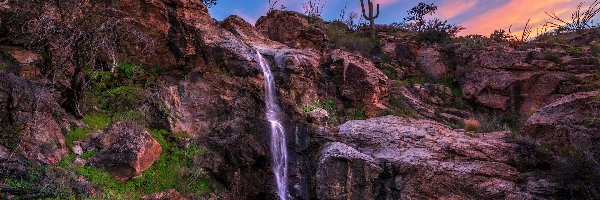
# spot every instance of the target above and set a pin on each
(429, 58)
(11, 165)
(130, 152)
(571, 121)
(345, 173)
(361, 81)
(395, 158)
(79, 162)
(286, 27)
(318, 116)
(434, 93)
(30, 116)
(77, 149)
(171, 194)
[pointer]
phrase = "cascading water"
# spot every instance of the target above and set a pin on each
(278, 143)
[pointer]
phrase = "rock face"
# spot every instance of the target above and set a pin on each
(396, 158)
(130, 150)
(360, 81)
(522, 82)
(31, 119)
(569, 121)
(291, 29)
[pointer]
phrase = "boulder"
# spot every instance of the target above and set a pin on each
(571, 121)
(30, 119)
(430, 60)
(396, 158)
(360, 81)
(287, 27)
(318, 116)
(130, 151)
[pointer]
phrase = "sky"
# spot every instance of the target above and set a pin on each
(478, 16)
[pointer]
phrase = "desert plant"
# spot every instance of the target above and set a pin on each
(525, 35)
(273, 5)
(500, 36)
(472, 125)
(579, 19)
(370, 16)
(433, 30)
(313, 8)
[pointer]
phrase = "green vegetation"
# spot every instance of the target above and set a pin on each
(354, 41)
(552, 57)
(328, 104)
(94, 122)
(173, 170)
(355, 114)
(10, 136)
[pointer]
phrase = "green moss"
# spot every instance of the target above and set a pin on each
(575, 51)
(121, 98)
(415, 80)
(390, 73)
(173, 170)
(89, 154)
(355, 114)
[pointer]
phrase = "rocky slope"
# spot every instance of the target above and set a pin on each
(169, 92)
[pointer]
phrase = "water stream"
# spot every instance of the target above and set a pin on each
(278, 143)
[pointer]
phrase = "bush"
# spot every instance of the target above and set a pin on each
(10, 136)
(433, 30)
(552, 57)
(367, 45)
(472, 125)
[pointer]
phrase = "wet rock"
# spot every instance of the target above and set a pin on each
(360, 81)
(31, 117)
(571, 121)
(130, 152)
(417, 159)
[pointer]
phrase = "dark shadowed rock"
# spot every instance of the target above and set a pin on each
(31, 115)
(130, 151)
(569, 121)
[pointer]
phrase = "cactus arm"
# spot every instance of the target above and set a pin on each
(362, 5)
(377, 15)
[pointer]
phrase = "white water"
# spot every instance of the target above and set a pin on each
(278, 143)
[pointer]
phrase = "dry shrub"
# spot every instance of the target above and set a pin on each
(472, 125)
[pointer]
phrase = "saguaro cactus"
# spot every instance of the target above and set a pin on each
(370, 17)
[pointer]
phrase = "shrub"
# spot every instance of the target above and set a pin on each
(354, 41)
(355, 114)
(433, 30)
(10, 136)
(94, 122)
(552, 57)
(328, 104)
(472, 125)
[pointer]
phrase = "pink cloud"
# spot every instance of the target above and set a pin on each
(451, 8)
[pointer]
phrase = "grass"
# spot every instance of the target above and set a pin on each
(354, 41)
(173, 170)
(328, 104)
(472, 125)
(94, 122)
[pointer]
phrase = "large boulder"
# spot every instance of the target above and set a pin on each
(128, 150)
(360, 81)
(292, 29)
(522, 82)
(571, 121)
(396, 158)
(31, 119)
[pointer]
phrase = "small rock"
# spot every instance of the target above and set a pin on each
(79, 162)
(318, 116)
(77, 149)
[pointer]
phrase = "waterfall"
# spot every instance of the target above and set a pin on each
(278, 143)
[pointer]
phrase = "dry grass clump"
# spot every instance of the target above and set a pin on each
(472, 125)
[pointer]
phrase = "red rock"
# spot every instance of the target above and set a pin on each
(130, 152)
(361, 81)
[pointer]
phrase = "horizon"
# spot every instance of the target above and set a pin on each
(479, 17)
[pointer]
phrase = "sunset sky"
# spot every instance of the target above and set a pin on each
(478, 16)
